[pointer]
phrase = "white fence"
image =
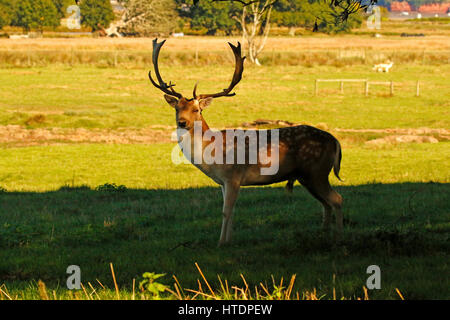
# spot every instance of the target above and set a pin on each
(367, 84)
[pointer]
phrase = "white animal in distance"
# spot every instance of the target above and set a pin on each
(383, 67)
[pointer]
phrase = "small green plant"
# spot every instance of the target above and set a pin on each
(151, 286)
(3, 190)
(277, 292)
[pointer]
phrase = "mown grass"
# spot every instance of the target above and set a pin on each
(150, 166)
(90, 97)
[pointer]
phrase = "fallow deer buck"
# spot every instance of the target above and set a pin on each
(305, 153)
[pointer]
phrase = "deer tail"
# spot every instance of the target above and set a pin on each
(337, 160)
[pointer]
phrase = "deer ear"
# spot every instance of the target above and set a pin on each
(171, 100)
(204, 103)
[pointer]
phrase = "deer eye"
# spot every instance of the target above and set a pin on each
(196, 110)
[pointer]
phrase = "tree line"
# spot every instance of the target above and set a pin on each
(147, 17)
(37, 14)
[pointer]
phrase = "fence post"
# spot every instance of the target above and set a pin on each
(366, 89)
(342, 87)
(392, 88)
(417, 88)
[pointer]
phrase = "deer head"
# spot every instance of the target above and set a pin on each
(190, 110)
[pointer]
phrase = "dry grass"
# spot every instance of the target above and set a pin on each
(140, 59)
(205, 291)
(309, 51)
(204, 44)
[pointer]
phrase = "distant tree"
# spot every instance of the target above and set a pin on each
(333, 19)
(255, 25)
(293, 14)
(149, 17)
(314, 13)
(342, 10)
(35, 14)
(215, 17)
(61, 6)
(96, 13)
(6, 13)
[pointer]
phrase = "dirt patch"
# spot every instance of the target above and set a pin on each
(403, 135)
(15, 135)
(19, 136)
(403, 139)
(401, 131)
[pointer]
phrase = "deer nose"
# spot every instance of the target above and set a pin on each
(182, 124)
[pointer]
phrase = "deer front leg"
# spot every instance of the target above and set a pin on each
(326, 217)
(230, 193)
(339, 223)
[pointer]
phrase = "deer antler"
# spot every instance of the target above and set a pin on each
(237, 76)
(164, 87)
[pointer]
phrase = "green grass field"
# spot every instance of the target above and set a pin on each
(90, 97)
(166, 218)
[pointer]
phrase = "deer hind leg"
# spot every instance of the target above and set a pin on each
(330, 200)
(230, 193)
(334, 200)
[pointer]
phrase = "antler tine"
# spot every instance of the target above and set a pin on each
(237, 76)
(194, 92)
(161, 85)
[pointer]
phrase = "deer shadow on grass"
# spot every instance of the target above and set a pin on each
(169, 230)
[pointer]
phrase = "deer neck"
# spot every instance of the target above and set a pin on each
(192, 141)
(205, 126)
